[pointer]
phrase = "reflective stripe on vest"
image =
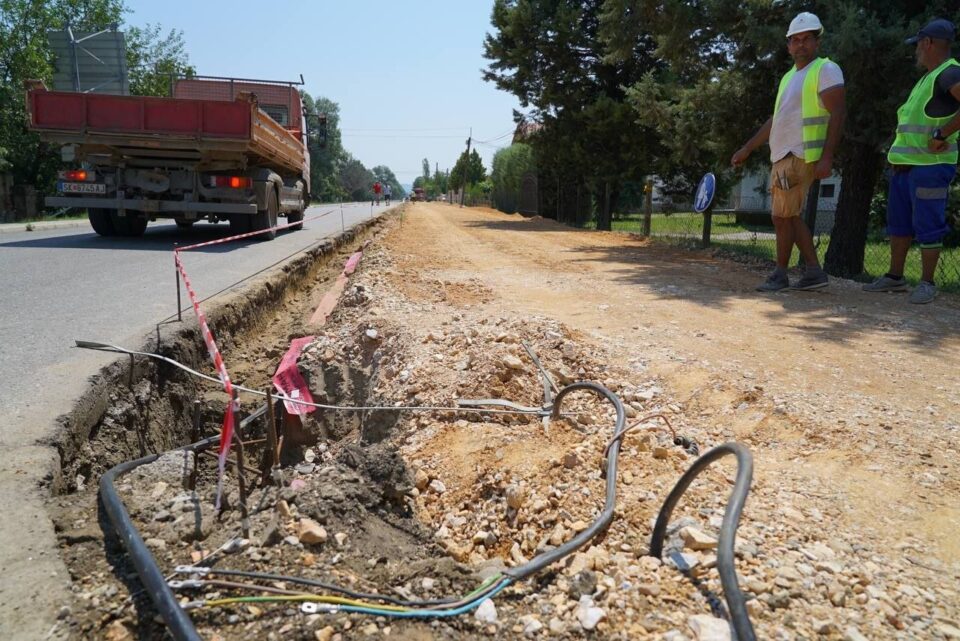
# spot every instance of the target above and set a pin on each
(915, 127)
(815, 116)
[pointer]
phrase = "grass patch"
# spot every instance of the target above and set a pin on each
(686, 228)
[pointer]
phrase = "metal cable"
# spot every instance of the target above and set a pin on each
(107, 347)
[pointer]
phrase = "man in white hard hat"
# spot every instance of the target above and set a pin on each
(923, 160)
(803, 133)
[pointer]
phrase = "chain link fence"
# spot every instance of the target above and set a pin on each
(740, 225)
(749, 230)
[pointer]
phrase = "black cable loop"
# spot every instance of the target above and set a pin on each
(726, 561)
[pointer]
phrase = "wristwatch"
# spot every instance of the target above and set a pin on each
(938, 134)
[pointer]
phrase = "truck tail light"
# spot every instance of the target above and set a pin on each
(233, 182)
(77, 175)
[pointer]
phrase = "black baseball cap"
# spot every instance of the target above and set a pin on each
(938, 29)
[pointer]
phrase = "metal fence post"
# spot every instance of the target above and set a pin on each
(176, 274)
(647, 207)
(707, 225)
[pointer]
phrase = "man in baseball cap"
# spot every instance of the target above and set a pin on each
(938, 29)
(923, 159)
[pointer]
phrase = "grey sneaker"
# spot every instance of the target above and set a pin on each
(886, 284)
(923, 293)
(774, 283)
(812, 280)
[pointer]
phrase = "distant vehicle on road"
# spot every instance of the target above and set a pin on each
(418, 194)
(219, 149)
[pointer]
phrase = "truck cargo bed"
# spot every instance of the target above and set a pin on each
(204, 134)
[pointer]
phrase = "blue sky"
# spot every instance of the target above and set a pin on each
(406, 74)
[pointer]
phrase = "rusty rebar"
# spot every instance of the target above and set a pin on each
(242, 483)
(194, 437)
(271, 455)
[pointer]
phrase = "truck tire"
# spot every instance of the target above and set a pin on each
(240, 224)
(100, 221)
(295, 217)
(129, 225)
(267, 218)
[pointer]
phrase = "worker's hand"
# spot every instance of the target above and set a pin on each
(740, 156)
(824, 167)
(937, 146)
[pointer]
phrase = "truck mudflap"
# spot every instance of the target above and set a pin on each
(151, 206)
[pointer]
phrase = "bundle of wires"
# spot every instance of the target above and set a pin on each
(382, 605)
(338, 599)
(351, 601)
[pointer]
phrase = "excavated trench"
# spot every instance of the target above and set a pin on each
(136, 406)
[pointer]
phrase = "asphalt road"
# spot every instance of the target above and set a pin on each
(65, 284)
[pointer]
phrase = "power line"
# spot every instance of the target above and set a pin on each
(397, 136)
(496, 138)
(405, 129)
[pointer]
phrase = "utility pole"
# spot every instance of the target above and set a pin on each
(466, 165)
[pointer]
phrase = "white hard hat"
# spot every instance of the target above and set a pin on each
(805, 21)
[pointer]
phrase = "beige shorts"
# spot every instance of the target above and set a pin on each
(790, 179)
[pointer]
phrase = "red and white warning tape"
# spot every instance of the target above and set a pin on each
(233, 404)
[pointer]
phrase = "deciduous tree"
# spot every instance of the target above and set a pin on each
(153, 59)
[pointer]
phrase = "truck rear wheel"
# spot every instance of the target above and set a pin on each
(268, 217)
(100, 221)
(240, 224)
(295, 217)
(128, 225)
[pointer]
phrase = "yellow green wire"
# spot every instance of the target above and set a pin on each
(333, 600)
(319, 598)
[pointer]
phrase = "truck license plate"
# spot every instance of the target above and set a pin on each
(83, 188)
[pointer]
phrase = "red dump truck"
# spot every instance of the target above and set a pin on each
(218, 149)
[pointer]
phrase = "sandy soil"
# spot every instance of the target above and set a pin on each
(846, 400)
(854, 390)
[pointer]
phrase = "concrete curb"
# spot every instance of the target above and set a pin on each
(45, 225)
(31, 613)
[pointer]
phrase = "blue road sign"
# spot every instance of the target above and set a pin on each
(705, 192)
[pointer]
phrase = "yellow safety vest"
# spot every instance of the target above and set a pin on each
(915, 127)
(815, 116)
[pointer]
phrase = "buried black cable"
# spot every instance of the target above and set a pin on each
(606, 516)
(154, 582)
(176, 619)
(726, 561)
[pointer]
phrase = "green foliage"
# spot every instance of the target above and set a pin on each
(722, 61)
(356, 180)
(326, 160)
(24, 55)
(469, 168)
(510, 164)
(386, 176)
(479, 193)
(556, 58)
(153, 60)
(433, 186)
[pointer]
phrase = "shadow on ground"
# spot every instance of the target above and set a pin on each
(835, 314)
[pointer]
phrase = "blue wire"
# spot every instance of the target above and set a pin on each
(415, 614)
